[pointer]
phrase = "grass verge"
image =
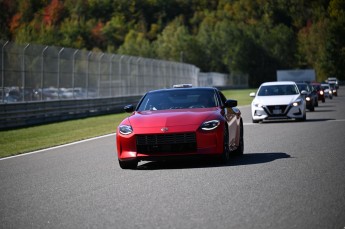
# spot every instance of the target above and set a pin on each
(28, 139)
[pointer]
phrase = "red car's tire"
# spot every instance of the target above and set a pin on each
(239, 151)
(225, 157)
(128, 164)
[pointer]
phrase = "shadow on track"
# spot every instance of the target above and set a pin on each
(258, 158)
(319, 119)
(267, 122)
(318, 111)
(245, 159)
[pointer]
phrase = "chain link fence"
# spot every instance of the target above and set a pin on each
(42, 84)
(40, 73)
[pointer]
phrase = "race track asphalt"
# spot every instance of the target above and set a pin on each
(292, 175)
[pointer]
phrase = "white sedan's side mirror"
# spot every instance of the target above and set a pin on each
(252, 94)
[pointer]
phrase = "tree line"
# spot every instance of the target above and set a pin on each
(254, 37)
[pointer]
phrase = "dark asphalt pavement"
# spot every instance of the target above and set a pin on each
(292, 175)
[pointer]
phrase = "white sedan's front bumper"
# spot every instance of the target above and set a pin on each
(273, 112)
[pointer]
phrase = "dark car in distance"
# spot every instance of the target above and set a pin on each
(311, 97)
(320, 92)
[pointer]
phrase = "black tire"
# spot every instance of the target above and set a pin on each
(239, 151)
(316, 102)
(304, 118)
(323, 100)
(255, 121)
(312, 108)
(128, 164)
(225, 157)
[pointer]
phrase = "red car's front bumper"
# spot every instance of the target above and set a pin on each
(157, 145)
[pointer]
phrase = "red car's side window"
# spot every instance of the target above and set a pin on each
(222, 98)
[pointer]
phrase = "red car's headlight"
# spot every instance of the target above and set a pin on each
(125, 129)
(210, 125)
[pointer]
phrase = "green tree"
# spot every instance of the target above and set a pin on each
(336, 44)
(173, 42)
(115, 32)
(73, 31)
(136, 45)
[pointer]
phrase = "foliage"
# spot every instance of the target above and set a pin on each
(255, 37)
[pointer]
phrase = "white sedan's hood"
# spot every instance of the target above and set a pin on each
(276, 100)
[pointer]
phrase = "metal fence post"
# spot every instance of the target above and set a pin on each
(129, 74)
(73, 70)
(111, 75)
(23, 73)
(137, 77)
(3, 72)
(88, 74)
(58, 76)
(120, 74)
(99, 73)
(42, 71)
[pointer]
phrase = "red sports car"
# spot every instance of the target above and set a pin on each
(180, 122)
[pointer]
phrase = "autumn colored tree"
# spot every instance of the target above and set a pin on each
(254, 37)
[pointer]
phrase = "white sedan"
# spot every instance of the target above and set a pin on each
(278, 100)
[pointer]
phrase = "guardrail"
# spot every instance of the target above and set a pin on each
(14, 115)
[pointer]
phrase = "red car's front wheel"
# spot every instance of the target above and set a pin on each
(225, 157)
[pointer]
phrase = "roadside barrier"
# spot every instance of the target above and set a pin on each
(14, 115)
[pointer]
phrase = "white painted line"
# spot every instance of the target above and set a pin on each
(249, 123)
(57, 147)
(336, 120)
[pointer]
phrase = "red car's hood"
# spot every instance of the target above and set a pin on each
(171, 118)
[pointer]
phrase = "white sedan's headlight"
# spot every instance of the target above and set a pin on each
(297, 103)
(258, 104)
(307, 98)
(125, 129)
(210, 125)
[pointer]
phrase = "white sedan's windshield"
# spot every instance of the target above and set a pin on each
(271, 90)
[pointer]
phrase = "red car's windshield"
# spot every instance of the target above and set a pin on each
(178, 99)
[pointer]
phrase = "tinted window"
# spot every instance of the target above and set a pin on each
(272, 90)
(303, 87)
(178, 99)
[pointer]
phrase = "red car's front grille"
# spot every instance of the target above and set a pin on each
(166, 143)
